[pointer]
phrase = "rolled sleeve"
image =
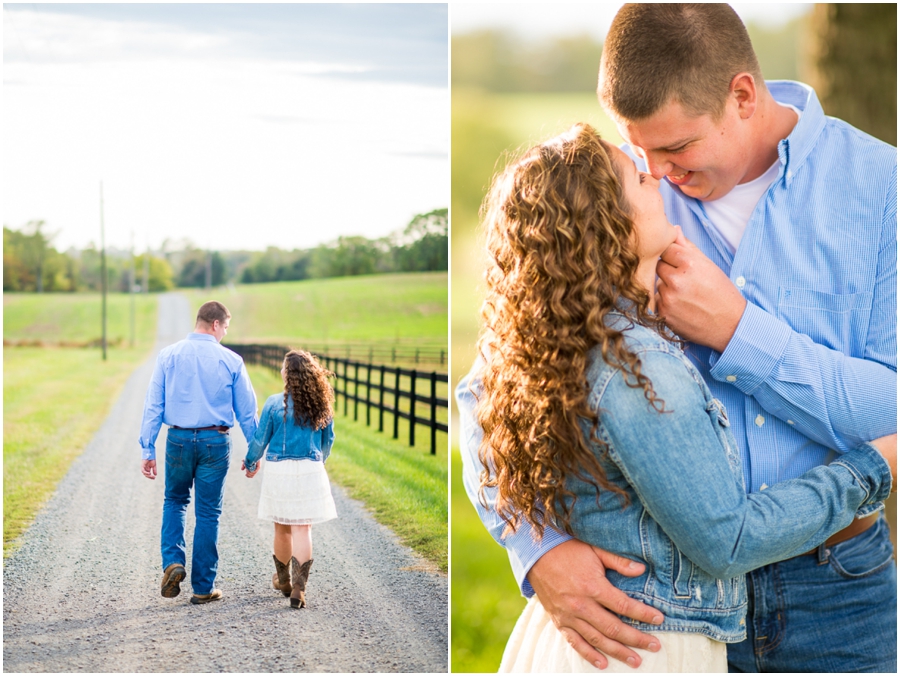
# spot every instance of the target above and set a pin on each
(753, 352)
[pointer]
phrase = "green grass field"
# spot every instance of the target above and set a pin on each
(404, 487)
(485, 601)
(486, 128)
(381, 309)
(75, 318)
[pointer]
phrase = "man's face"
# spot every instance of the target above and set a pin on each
(700, 155)
(220, 328)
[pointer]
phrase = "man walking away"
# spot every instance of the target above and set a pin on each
(198, 388)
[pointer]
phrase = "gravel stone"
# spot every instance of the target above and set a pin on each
(82, 592)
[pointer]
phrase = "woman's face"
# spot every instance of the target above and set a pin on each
(652, 228)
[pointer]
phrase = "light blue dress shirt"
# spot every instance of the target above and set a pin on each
(811, 369)
(197, 383)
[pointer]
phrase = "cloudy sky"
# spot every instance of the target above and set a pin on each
(236, 126)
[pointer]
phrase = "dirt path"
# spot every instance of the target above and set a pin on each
(82, 593)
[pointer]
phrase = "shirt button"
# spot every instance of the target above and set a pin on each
(763, 487)
(790, 422)
(731, 379)
(760, 421)
(740, 281)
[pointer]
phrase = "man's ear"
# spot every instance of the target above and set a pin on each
(744, 92)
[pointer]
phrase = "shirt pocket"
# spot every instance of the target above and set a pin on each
(838, 321)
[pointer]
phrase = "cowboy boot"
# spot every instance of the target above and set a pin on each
(282, 577)
(300, 574)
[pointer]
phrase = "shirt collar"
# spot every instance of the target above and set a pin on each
(794, 150)
(201, 336)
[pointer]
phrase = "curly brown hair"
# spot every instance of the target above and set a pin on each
(563, 255)
(306, 382)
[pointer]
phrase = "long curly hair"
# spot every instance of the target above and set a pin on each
(306, 383)
(562, 256)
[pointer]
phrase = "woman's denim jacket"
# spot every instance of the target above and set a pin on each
(688, 515)
(287, 441)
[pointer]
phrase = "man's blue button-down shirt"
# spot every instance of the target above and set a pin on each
(197, 383)
(811, 369)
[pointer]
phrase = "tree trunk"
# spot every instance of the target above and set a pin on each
(853, 64)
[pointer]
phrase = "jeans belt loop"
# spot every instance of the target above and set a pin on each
(822, 553)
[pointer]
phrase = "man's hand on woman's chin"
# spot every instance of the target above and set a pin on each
(570, 582)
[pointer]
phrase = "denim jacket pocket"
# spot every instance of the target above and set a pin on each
(719, 417)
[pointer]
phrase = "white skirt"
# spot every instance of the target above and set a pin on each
(536, 645)
(296, 493)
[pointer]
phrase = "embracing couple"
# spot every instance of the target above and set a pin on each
(199, 388)
(684, 437)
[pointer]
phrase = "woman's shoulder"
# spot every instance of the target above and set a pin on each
(274, 401)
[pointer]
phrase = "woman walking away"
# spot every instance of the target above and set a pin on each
(298, 429)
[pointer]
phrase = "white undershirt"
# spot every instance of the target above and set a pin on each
(731, 213)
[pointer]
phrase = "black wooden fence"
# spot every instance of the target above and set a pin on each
(375, 386)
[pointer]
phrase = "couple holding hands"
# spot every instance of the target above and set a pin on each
(683, 436)
(198, 389)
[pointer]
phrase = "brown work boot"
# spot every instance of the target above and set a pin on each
(300, 574)
(282, 577)
(214, 595)
(171, 582)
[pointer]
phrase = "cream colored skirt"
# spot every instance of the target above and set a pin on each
(536, 645)
(296, 492)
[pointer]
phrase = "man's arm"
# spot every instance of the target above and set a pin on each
(154, 406)
(568, 576)
(834, 399)
(244, 403)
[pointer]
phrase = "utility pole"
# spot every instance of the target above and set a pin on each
(146, 285)
(208, 269)
(103, 273)
(131, 281)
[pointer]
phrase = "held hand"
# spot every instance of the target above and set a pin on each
(570, 581)
(887, 446)
(695, 297)
(247, 472)
(148, 468)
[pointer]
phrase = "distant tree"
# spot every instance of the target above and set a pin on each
(423, 244)
(161, 277)
(853, 60)
(193, 269)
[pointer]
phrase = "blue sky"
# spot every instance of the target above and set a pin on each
(235, 126)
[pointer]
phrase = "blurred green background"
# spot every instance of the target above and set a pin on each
(510, 92)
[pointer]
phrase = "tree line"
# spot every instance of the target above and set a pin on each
(32, 264)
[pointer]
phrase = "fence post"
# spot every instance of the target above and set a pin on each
(355, 391)
(368, 392)
(396, 402)
(346, 388)
(433, 413)
(412, 408)
(381, 401)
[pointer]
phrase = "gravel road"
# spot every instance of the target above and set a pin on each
(82, 593)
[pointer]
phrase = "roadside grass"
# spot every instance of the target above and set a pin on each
(484, 600)
(406, 308)
(404, 487)
(75, 318)
(54, 400)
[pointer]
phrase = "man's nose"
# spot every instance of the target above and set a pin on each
(658, 166)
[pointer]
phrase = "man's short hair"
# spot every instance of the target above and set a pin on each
(212, 310)
(654, 53)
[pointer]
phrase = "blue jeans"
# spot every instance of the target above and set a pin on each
(198, 459)
(835, 611)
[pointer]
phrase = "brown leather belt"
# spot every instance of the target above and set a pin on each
(858, 526)
(217, 428)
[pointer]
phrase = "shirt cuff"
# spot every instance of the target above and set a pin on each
(148, 453)
(755, 348)
(524, 552)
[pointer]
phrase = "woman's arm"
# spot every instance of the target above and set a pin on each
(327, 440)
(257, 445)
(678, 466)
